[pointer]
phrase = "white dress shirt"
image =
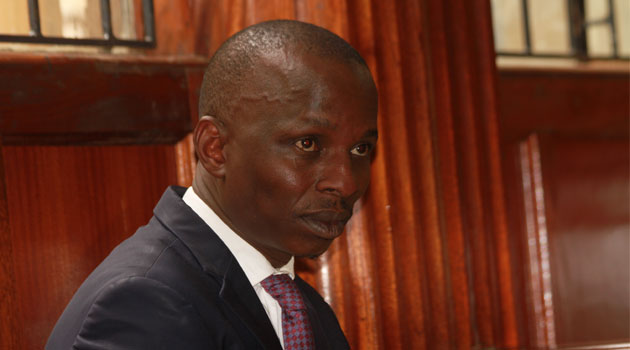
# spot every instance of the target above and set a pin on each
(253, 263)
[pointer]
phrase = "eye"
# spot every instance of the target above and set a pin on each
(307, 144)
(361, 149)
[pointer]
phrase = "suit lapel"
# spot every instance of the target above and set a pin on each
(238, 293)
(217, 261)
(321, 340)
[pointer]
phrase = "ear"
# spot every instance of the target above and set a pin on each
(209, 139)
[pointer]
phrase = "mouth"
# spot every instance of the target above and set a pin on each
(326, 224)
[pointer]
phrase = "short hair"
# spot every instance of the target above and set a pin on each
(236, 57)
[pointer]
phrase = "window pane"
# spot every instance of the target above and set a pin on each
(14, 17)
(598, 36)
(507, 18)
(71, 18)
(549, 26)
(595, 9)
(622, 20)
(125, 15)
(599, 41)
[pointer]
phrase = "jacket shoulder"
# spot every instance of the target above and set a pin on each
(140, 313)
(133, 287)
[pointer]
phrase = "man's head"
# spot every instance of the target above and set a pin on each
(285, 142)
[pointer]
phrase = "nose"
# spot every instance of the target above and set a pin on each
(337, 176)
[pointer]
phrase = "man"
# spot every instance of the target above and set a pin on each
(283, 147)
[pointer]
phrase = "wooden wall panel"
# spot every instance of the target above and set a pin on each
(570, 101)
(174, 28)
(68, 207)
(566, 157)
(96, 100)
(576, 193)
(587, 193)
(8, 337)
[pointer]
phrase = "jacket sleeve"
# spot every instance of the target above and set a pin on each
(141, 313)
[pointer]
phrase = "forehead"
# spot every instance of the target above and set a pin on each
(288, 83)
(299, 70)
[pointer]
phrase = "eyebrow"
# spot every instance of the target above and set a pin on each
(325, 123)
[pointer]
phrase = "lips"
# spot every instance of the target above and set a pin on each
(327, 224)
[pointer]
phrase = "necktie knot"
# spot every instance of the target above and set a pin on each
(285, 291)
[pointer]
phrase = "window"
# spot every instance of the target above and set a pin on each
(577, 29)
(105, 23)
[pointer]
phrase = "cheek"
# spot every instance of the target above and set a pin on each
(362, 170)
(281, 185)
(362, 176)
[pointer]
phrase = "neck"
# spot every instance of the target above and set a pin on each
(208, 190)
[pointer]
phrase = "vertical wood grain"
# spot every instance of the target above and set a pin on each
(174, 28)
(463, 62)
(504, 314)
(452, 227)
(423, 177)
(579, 187)
(10, 331)
(68, 207)
(538, 246)
(396, 122)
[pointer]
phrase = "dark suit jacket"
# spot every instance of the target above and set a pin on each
(175, 285)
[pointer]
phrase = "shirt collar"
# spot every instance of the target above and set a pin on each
(253, 263)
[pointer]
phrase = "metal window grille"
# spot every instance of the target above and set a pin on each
(109, 39)
(578, 27)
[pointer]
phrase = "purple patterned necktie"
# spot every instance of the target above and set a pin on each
(296, 328)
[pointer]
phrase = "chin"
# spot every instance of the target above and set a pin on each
(313, 251)
(312, 255)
